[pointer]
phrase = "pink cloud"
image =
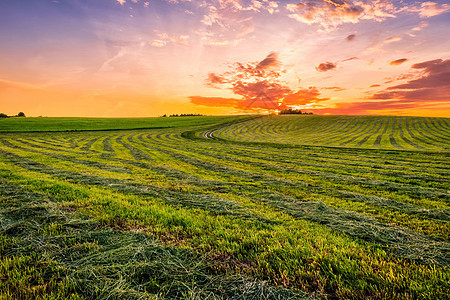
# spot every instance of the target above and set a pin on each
(332, 13)
(350, 37)
(270, 61)
(433, 85)
(392, 39)
(214, 79)
(421, 26)
(431, 9)
(430, 89)
(334, 88)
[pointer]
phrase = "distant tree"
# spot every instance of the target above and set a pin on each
(21, 114)
(290, 111)
(2, 115)
(186, 115)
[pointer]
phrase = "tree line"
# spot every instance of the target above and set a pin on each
(291, 111)
(2, 115)
(182, 115)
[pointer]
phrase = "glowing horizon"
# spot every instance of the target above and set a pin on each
(137, 58)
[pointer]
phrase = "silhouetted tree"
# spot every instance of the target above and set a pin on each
(186, 115)
(290, 111)
(21, 114)
(2, 115)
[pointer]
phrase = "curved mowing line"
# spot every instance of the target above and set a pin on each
(422, 130)
(107, 144)
(349, 165)
(408, 128)
(338, 122)
(213, 167)
(437, 129)
(443, 124)
(377, 141)
(88, 163)
(135, 152)
(270, 181)
(364, 140)
(403, 136)
(36, 145)
(298, 150)
(391, 136)
(430, 133)
(432, 136)
(344, 158)
(88, 145)
(351, 127)
(361, 132)
(314, 136)
(341, 124)
(51, 143)
(41, 141)
(354, 131)
(201, 201)
(338, 178)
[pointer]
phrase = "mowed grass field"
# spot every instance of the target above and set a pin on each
(226, 208)
(377, 132)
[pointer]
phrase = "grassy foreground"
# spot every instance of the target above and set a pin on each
(175, 212)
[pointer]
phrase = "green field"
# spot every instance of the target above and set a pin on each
(83, 124)
(377, 132)
(272, 207)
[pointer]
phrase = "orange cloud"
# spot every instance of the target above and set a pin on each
(334, 88)
(327, 66)
(260, 86)
(398, 61)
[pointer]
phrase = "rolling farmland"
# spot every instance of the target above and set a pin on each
(275, 207)
(377, 132)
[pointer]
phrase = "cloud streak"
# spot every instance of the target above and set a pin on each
(433, 85)
(398, 61)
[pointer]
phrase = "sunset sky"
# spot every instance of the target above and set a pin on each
(137, 58)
